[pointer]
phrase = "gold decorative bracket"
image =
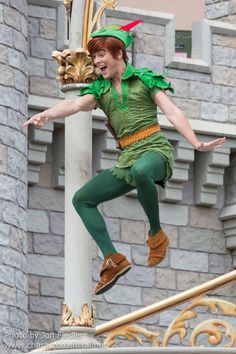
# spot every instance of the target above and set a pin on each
(74, 66)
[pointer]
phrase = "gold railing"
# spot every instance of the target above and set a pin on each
(214, 328)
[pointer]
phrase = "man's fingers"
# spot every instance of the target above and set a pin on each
(26, 123)
(211, 145)
(37, 121)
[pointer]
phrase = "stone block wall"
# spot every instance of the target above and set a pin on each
(42, 28)
(223, 10)
(13, 176)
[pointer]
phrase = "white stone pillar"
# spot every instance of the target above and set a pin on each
(76, 27)
(78, 170)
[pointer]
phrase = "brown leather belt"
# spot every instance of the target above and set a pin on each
(139, 135)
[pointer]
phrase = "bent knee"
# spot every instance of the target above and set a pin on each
(81, 200)
(77, 199)
(139, 174)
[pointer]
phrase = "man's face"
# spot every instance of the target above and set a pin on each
(106, 63)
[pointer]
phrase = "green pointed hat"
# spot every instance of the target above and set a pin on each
(120, 32)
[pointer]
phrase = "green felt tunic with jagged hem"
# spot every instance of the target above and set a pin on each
(136, 111)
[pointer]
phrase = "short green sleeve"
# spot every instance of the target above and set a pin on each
(96, 88)
(154, 81)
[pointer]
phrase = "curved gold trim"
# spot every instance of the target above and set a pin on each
(210, 327)
(132, 333)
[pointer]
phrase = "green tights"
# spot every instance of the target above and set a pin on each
(148, 168)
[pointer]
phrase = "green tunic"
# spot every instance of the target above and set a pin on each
(136, 111)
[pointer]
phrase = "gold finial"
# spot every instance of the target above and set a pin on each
(67, 4)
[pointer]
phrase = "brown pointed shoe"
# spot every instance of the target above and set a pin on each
(158, 246)
(113, 267)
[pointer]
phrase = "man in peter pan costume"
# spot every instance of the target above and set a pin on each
(129, 98)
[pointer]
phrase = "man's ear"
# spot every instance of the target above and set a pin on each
(120, 54)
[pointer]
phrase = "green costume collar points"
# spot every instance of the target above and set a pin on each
(147, 76)
(106, 84)
(129, 71)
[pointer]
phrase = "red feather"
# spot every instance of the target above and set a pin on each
(130, 25)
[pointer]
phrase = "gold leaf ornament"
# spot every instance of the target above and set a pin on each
(86, 319)
(132, 332)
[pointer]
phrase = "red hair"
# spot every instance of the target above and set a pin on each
(112, 44)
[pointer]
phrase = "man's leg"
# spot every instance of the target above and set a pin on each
(149, 168)
(99, 189)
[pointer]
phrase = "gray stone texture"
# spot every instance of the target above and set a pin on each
(149, 61)
(232, 114)
(217, 10)
(48, 29)
(224, 56)
(45, 304)
(188, 260)
(222, 75)
(214, 112)
(149, 44)
(46, 199)
(223, 40)
(202, 240)
(43, 86)
(41, 322)
(42, 48)
(42, 12)
(121, 294)
(46, 266)
(48, 244)
(52, 286)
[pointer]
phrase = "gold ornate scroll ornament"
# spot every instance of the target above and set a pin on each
(132, 332)
(86, 319)
(216, 329)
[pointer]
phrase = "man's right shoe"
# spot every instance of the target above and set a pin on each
(158, 246)
(113, 267)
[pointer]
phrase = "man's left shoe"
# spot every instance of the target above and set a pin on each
(113, 267)
(158, 246)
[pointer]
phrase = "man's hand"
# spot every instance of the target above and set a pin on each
(38, 120)
(211, 145)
